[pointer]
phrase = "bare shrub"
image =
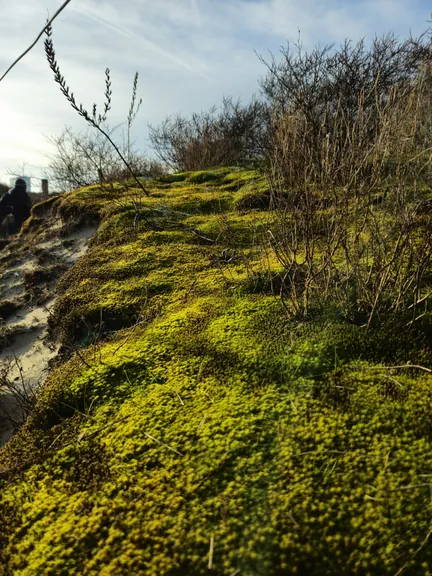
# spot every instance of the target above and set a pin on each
(221, 136)
(17, 397)
(78, 159)
(329, 88)
(94, 119)
(82, 159)
(141, 165)
(348, 170)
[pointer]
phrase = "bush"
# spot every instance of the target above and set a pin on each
(219, 137)
(82, 159)
(349, 168)
(330, 89)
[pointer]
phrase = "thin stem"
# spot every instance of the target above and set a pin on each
(62, 7)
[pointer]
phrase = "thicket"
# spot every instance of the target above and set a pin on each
(83, 159)
(350, 172)
(331, 87)
(228, 135)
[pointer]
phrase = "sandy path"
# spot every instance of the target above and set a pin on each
(27, 357)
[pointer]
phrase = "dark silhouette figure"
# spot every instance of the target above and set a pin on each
(18, 203)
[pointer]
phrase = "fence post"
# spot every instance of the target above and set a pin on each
(44, 189)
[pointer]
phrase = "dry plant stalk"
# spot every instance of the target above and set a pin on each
(17, 398)
(350, 228)
(94, 119)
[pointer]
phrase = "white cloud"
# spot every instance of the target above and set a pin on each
(114, 21)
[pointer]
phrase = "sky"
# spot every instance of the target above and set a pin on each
(189, 54)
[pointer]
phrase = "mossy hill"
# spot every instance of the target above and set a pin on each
(194, 428)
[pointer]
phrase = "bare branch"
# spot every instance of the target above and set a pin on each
(62, 7)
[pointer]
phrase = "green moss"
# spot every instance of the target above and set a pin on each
(171, 178)
(204, 413)
(205, 176)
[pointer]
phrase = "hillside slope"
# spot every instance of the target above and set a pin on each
(193, 427)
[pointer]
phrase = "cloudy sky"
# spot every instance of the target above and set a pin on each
(189, 53)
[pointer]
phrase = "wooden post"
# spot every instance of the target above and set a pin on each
(44, 189)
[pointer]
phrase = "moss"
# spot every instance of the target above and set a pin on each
(190, 453)
(82, 208)
(45, 206)
(197, 410)
(31, 224)
(170, 178)
(41, 275)
(205, 176)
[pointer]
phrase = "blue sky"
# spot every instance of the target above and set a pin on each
(189, 53)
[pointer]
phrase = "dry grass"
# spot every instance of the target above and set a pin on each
(351, 229)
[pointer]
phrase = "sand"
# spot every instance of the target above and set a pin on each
(26, 359)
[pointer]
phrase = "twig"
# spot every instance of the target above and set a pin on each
(401, 367)
(419, 301)
(62, 7)
(387, 377)
(428, 535)
(211, 551)
(196, 232)
(93, 119)
(179, 397)
(410, 487)
(162, 444)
